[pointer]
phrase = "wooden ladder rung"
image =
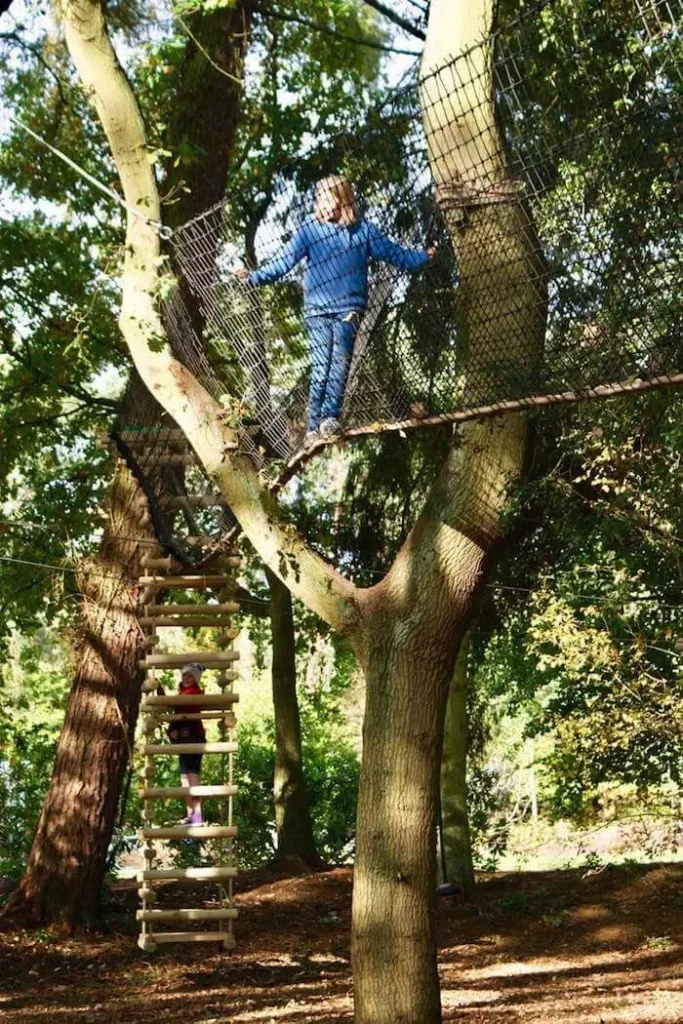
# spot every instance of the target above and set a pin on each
(154, 610)
(181, 914)
(207, 701)
(164, 716)
(213, 659)
(185, 874)
(189, 620)
(152, 684)
(190, 832)
(186, 582)
(180, 792)
(156, 561)
(163, 937)
(215, 747)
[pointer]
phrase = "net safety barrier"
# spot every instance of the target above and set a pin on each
(547, 182)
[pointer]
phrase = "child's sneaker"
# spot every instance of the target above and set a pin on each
(330, 427)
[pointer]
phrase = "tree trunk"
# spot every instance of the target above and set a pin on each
(67, 863)
(455, 831)
(414, 621)
(296, 849)
(408, 628)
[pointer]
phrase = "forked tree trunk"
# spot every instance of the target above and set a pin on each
(407, 629)
(63, 878)
(296, 850)
(420, 612)
(456, 843)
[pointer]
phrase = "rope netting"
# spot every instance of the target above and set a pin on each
(571, 128)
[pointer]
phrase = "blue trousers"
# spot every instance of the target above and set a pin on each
(331, 337)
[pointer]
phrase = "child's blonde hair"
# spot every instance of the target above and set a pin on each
(342, 189)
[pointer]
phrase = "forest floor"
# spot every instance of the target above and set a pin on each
(538, 947)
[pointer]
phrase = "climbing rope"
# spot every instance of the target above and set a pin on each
(162, 230)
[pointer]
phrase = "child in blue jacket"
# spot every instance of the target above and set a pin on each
(338, 246)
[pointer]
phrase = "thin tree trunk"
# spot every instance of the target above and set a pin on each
(67, 863)
(296, 850)
(455, 831)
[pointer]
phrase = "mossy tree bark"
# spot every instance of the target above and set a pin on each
(67, 864)
(406, 630)
(296, 849)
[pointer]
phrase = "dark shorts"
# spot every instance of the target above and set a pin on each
(190, 763)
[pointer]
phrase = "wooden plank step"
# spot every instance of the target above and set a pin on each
(189, 620)
(186, 874)
(152, 683)
(156, 562)
(228, 607)
(213, 659)
(207, 701)
(190, 832)
(149, 942)
(186, 582)
(180, 792)
(163, 716)
(190, 914)
(189, 501)
(215, 747)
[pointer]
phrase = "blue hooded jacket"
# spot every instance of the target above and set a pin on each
(336, 277)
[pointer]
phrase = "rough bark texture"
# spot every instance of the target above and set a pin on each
(456, 843)
(296, 849)
(415, 620)
(66, 867)
(203, 120)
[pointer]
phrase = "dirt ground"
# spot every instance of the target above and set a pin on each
(543, 948)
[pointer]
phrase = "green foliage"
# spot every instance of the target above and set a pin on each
(331, 771)
(584, 651)
(34, 687)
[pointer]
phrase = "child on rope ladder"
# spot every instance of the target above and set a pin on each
(189, 730)
(338, 246)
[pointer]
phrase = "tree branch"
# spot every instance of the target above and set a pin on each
(324, 30)
(14, 37)
(403, 23)
(195, 411)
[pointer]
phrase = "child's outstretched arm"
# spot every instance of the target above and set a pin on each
(383, 249)
(274, 269)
